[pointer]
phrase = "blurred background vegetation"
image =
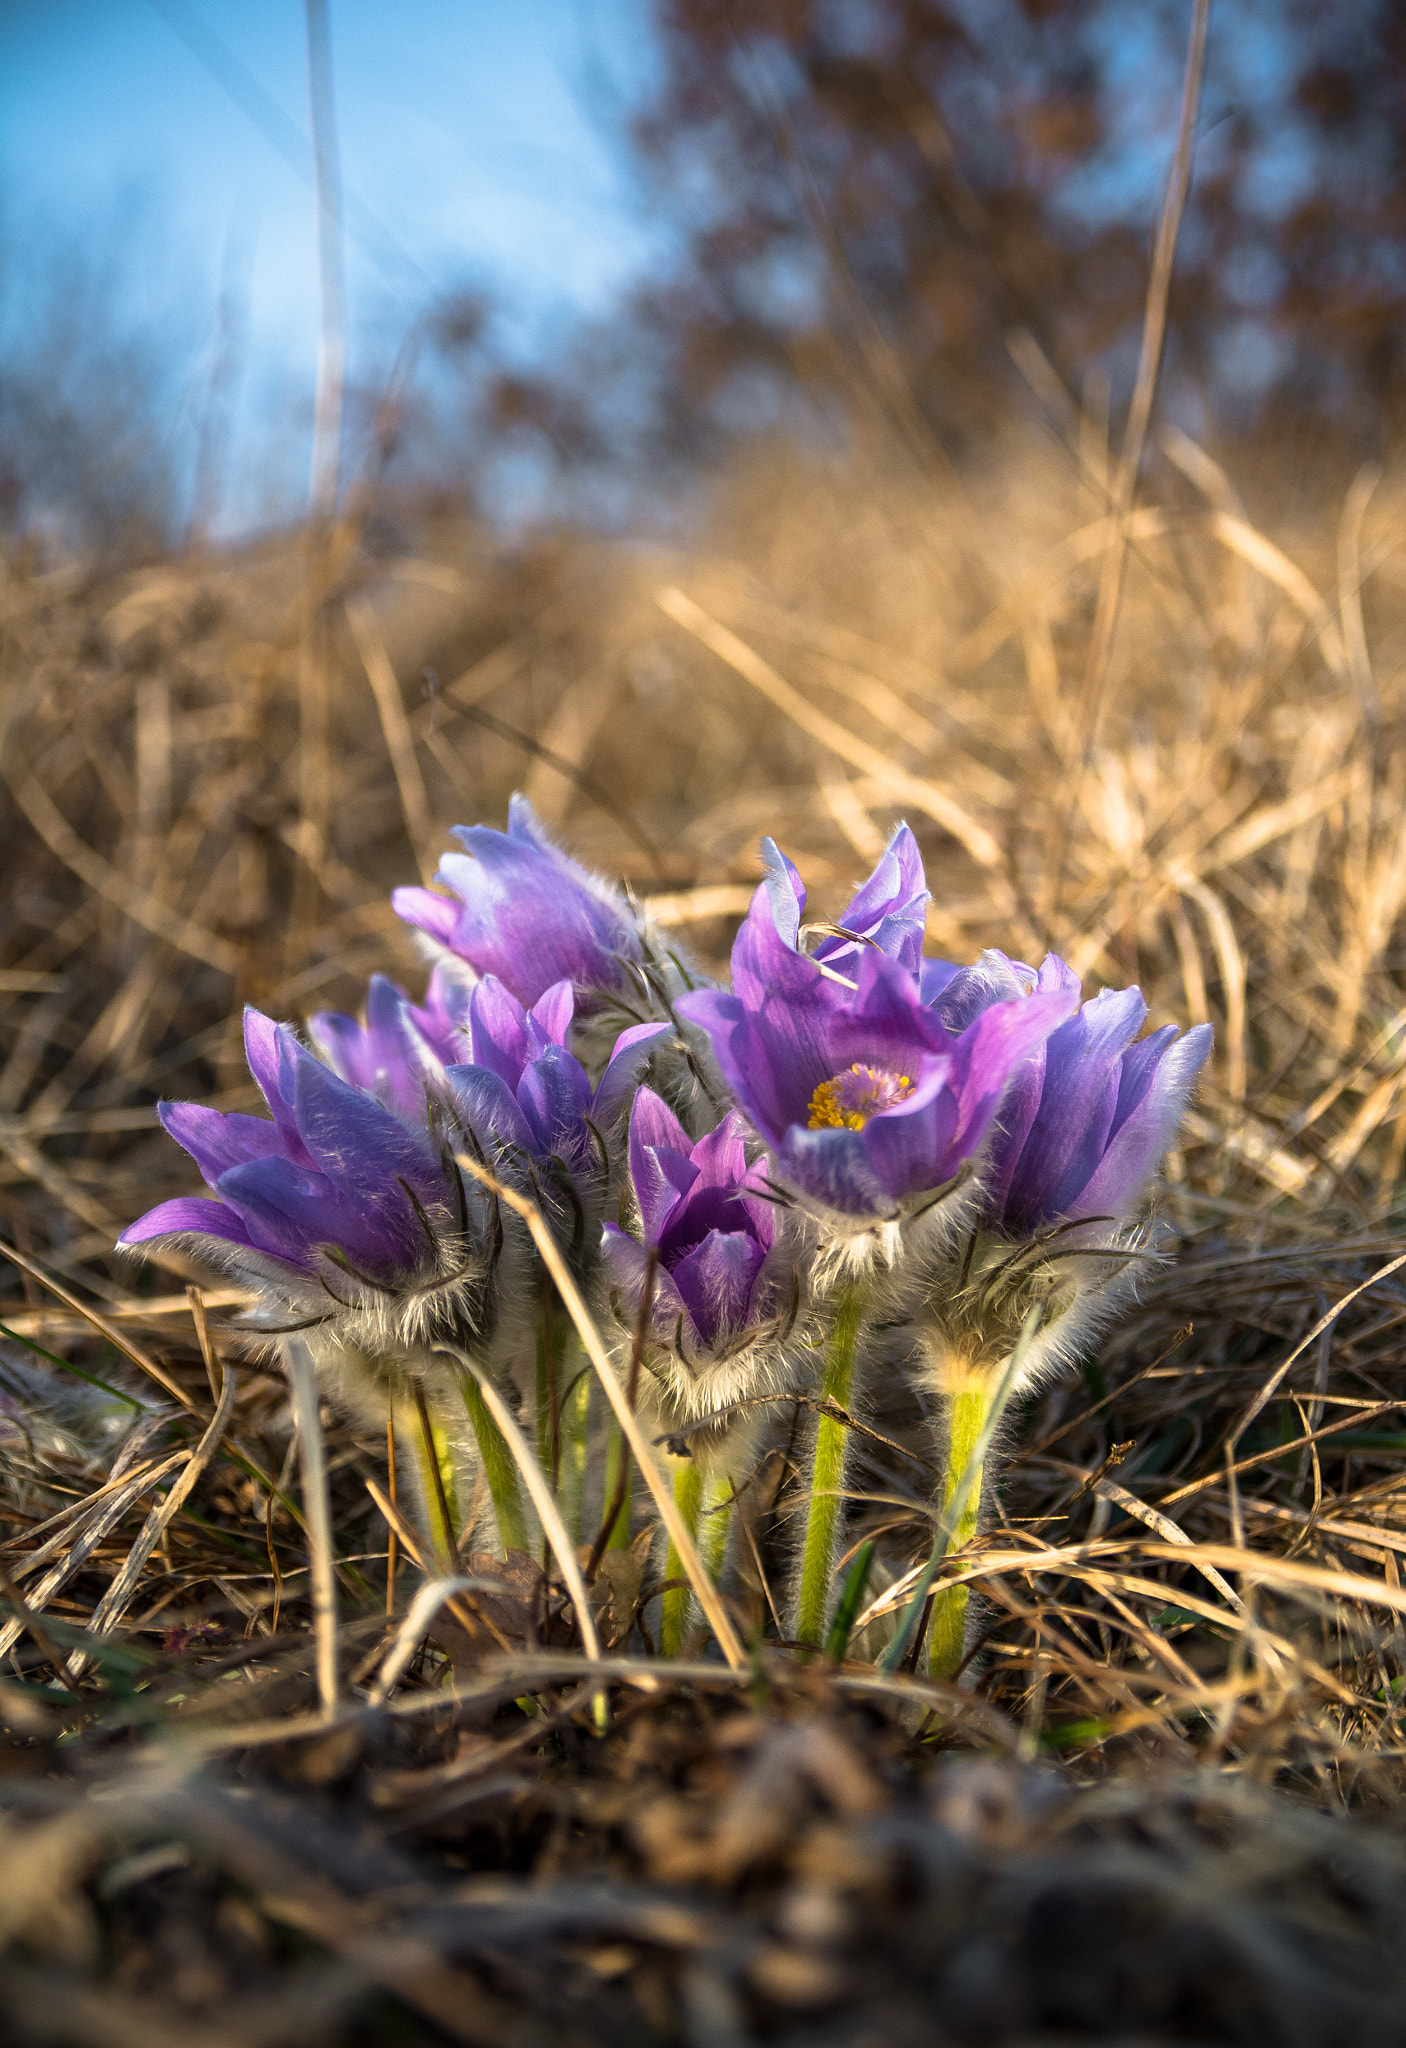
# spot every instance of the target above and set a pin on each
(592, 254)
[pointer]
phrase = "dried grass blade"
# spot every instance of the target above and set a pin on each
(422, 1611)
(913, 789)
(114, 1602)
(395, 725)
(100, 1323)
(86, 1543)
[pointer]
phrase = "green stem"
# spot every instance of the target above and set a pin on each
(499, 1470)
(575, 1423)
(967, 1417)
(436, 1471)
(828, 1470)
(688, 1496)
(619, 1537)
(716, 1522)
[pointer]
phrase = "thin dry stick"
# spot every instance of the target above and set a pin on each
(1154, 328)
(99, 1323)
(317, 1510)
(673, 1521)
(214, 1371)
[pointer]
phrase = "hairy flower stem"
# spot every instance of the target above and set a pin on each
(498, 1469)
(688, 1497)
(967, 1418)
(575, 1423)
(437, 1479)
(548, 1404)
(828, 1470)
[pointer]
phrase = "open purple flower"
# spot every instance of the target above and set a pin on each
(524, 1089)
(523, 910)
(714, 1232)
(889, 912)
(336, 1203)
(865, 1096)
(1091, 1113)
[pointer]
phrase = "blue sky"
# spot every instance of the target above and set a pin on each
(477, 133)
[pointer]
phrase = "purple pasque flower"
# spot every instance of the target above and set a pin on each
(400, 1052)
(335, 1204)
(1091, 1112)
(533, 1100)
(864, 1095)
(888, 913)
(706, 1217)
(523, 910)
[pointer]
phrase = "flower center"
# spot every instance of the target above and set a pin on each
(848, 1100)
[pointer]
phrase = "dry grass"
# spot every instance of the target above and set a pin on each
(216, 769)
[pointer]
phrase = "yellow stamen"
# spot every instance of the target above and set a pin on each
(847, 1101)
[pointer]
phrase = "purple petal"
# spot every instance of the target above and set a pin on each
(886, 1023)
(661, 1170)
(489, 1106)
(627, 1061)
(715, 1282)
(890, 910)
(498, 1035)
(361, 1147)
(1141, 1139)
(701, 1210)
(429, 912)
(785, 892)
(933, 978)
(216, 1141)
(994, 979)
(626, 1263)
(292, 1213)
(910, 1146)
(527, 912)
(554, 1095)
(991, 1050)
(442, 1020)
(721, 1157)
(554, 1011)
(833, 1168)
(188, 1216)
(1083, 1071)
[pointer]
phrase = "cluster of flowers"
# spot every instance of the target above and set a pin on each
(738, 1179)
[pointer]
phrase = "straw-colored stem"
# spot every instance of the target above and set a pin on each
(499, 1469)
(968, 1412)
(688, 1499)
(828, 1468)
